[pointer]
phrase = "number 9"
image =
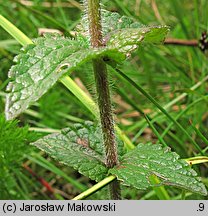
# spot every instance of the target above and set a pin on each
(201, 206)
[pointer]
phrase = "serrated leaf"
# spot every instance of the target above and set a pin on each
(146, 160)
(80, 146)
(96, 141)
(111, 21)
(73, 147)
(123, 33)
(39, 66)
(127, 40)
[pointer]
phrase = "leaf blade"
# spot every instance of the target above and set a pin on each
(40, 65)
(129, 39)
(74, 147)
(152, 160)
(34, 73)
(111, 21)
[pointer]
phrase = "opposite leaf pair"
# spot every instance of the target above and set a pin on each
(40, 65)
(81, 147)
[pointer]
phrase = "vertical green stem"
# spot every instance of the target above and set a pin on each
(103, 93)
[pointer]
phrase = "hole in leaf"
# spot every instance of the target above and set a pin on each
(63, 67)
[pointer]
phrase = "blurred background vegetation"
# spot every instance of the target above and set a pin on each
(166, 72)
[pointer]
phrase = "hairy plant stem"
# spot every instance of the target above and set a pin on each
(103, 93)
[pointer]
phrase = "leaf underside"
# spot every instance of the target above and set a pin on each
(146, 160)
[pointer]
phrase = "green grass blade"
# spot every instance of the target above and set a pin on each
(155, 131)
(14, 31)
(182, 113)
(67, 81)
(160, 191)
(150, 98)
(49, 166)
(95, 188)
